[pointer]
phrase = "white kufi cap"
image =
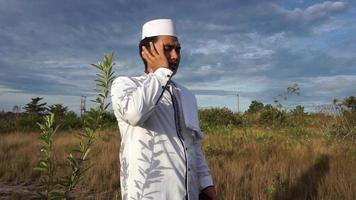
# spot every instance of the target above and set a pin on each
(158, 27)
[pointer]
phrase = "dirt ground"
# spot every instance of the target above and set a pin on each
(27, 192)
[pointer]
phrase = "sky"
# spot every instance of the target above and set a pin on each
(253, 48)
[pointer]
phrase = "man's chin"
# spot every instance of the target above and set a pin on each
(174, 68)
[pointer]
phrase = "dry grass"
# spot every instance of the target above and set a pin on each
(245, 164)
(279, 168)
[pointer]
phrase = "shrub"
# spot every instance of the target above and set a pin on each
(7, 124)
(344, 126)
(350, 103)
(109, 121)
(28, 122)
(341, 123)
(71, 121)
(300, 132)
(272, 116)
(255, 107)
(297, 116)
(212, 117)
(78, 159)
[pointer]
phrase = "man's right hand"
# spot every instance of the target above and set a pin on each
(155, 57)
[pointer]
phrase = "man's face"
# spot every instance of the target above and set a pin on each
(171, 49)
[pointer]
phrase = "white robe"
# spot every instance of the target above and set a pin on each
(157, 161)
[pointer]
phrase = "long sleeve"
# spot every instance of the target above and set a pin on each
(133, 99)
(204, 175)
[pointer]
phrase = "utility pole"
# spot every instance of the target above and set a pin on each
(83, 100)
(238, 103)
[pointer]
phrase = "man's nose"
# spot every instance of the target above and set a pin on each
(174, 55)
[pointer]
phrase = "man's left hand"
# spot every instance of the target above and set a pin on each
(210, 191)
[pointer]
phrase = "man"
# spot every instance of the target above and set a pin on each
(160, 153)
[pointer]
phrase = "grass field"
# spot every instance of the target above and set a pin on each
(246, 163)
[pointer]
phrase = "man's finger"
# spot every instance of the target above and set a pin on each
(153, 49)
(160, 48)
(147, 53)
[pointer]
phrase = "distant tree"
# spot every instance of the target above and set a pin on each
(298, 110)
(255, 107)
(350, 102)
(268, 107)
(71, 121)
(34, 111)
(58, 110)
(60, 114)
(35, 107)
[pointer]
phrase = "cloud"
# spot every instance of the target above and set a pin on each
(264, 17)
(306, 20)
(4, 89)
(255, 47)
(336, 85)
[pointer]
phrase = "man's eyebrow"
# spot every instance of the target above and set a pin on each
(172, 46)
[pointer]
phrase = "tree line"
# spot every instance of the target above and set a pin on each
(36, 109)
(257, 113)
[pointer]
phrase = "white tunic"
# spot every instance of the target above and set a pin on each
(160, 159)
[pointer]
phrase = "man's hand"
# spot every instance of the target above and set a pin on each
(210, 192)
(155, 57)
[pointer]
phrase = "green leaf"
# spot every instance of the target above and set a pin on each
(86, 153)
(40, 169)
(106, 106)
(96, 66)
(43, 164)
(82, 146)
